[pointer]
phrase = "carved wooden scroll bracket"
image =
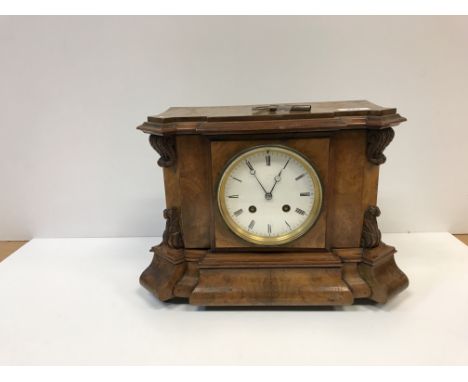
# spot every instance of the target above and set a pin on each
(377, 141)
(165, 147)
(172, 235)
(371, 235)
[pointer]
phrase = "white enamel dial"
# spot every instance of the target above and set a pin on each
(269, 195)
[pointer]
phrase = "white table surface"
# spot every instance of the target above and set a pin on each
(78, 301)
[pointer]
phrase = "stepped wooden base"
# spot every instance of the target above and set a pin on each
(243, 279)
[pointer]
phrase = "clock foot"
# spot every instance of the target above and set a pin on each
(381, 272)
(166, 269)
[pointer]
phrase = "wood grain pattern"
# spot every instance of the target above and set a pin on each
(329, 264)
(195, 190)
(370, 185)
(218, 287)
(257, 260)
(165, 270)
(381, 273)
(171, 186)
(253, 112)
(351, 257)
(346, 212)
(248, 119)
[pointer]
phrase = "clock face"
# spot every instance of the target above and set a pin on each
(269, 195)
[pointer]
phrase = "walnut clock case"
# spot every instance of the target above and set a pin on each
(273, 204)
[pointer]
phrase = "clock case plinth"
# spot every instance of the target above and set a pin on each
(339, 260)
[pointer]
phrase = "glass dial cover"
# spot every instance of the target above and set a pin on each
(269, 195)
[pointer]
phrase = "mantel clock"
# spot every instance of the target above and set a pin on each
(273, 204)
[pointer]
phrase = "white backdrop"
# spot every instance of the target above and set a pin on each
(73, 89)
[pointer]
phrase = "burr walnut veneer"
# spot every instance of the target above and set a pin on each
(337, 260)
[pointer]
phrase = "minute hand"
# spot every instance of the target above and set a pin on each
(261, 185)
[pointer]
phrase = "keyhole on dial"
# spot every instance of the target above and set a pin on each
(286, 208)
(252, 209)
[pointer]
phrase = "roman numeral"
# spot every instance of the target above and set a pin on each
(288, 225)
(269, 229)
(238, 212)
(233, 177)
(300, 212)
(233, 196)
(251, 225)
(305, 193)
(268, 159)
(300, 176)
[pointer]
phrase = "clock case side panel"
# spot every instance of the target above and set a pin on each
(187, 187)
(222, 151)
(369, 267)
(173, 271)
(166, 267)
(348, 165)
(353, 185)
(195, 190)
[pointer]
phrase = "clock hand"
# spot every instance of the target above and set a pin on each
(278, 177)
(253, 172)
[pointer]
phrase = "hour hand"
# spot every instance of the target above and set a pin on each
(249, 165)
(278, 177)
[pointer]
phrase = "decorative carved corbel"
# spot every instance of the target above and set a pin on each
(370, 237)
(377, 141)
(172, 236)
(165, 146)
(168, 264)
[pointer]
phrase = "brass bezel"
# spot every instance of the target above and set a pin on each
(277, 240)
